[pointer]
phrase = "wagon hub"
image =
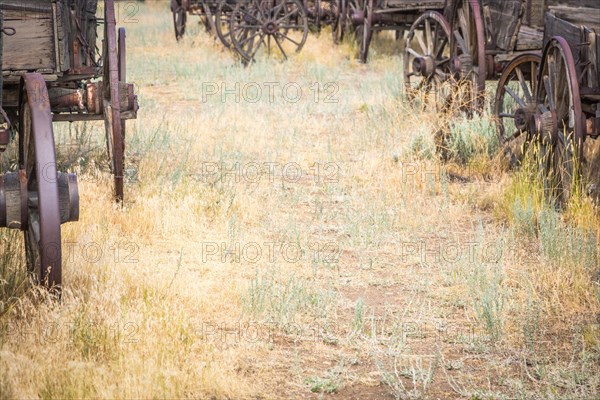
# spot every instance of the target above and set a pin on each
(270, 28)
(522, 119)
(461, 65)
(358, 18)
(546, 125)
(16, 199)
(424, 66)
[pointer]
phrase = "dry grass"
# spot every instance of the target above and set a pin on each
(415, 280)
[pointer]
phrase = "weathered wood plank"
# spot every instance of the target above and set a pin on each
(502, 21)
(587, 16)
(32, 46)
(529, 38)
(415, 5)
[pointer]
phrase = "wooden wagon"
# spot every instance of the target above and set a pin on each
(361, 18)
(554, 95)
(52, 71)
(251, 26)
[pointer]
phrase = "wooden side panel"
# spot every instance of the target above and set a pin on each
(535, 10)
(410, 5)
(32, 46)
(571, 33)
(529, 38)
(504, 16)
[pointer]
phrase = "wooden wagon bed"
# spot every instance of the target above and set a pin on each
(62, 45)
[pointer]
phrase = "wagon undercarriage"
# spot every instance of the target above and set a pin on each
(53, 70)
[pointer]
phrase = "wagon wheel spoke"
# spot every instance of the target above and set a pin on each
(288, 15)
(549, 93)
(428, 37)
(464, 27)
(413, 53)
(288, 38)
(260, 42)
(280, 47)
(516, 97)
(421, 43)
(438, 51)
(523, 84)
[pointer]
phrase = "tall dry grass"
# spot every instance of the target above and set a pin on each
(186, 291)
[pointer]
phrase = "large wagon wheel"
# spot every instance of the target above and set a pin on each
(515, 100)
(111, 101)
(224, 11)
(427, 58)
(179, 17)
(37, 159)
(270, 24)
(559, 123)
(365, 42)
(468, 50)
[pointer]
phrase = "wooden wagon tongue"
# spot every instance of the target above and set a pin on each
(15, 199)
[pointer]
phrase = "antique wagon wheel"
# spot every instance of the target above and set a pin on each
(468, 50)
(559, 123)
(37, 159)
(427, 58)
(339, 23)
(355, 17)
(515, 103)
(111, 101)
(224, 10)
(367, 31)
(269, 24)
(179, 18)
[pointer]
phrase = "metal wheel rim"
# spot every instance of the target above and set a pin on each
(36, 141)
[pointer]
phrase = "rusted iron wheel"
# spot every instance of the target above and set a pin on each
(179, 18)
(339, 23)
(279, 27)
(468, 50)
(222, 15)
(367, 31)
(38, 161)
(111, 101)
(558, 124)
(427, 60)
(515, 99)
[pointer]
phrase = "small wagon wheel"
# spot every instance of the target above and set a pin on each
(468, 50)
(111, 101)
(179, 18)
(224, 10)
(38, 160)
(427, 57)
(515, 103)
(355, 16)
(559, 122)
(367, 31)
(269, 24)
(339, 23)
